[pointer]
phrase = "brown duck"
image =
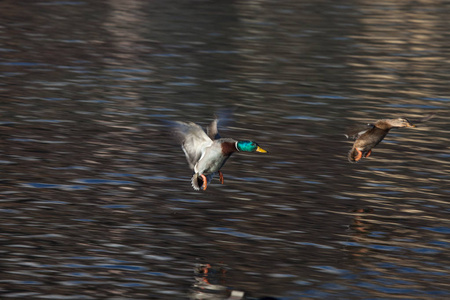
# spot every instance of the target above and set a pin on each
(369, 138)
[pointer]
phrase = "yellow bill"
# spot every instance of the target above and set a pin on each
(259, 149)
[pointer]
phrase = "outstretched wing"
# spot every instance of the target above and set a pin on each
(355, 132)
(212, 131)
(193, 140)
(223, 116)
(424, 119)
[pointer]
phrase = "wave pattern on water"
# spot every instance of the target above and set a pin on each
(96, 200)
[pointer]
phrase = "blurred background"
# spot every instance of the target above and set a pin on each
(96, 200)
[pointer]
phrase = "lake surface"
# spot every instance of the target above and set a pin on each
(96, 200)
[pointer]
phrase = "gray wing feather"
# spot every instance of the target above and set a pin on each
(424, 119)
(193, 141)
(212, 130)
(223, 116)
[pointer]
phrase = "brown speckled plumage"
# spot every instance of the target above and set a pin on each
(368, 139)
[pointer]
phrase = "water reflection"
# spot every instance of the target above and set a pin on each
(209, 283)
(93, 197)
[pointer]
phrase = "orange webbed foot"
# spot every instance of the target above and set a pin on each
(368, 153)
(358, 157)
(221, 177)
(205, 182)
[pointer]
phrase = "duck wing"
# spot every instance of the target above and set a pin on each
(424, 119)
(212, 131)
(355, 132)
(193, 141)
(223, 116)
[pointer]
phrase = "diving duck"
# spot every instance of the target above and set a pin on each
(369, 138)
(206, 152)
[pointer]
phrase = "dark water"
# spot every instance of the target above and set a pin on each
(96, 201)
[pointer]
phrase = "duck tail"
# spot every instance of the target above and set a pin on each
(352, 155)
(196, 182)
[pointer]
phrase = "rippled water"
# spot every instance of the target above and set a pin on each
(96, 201)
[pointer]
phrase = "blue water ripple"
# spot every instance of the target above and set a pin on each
(116, 206)
(232, 232)
(304, 118)
(119, 174)
(121, 267)
(436, 99)
(388, 290)
(330, 97)
(414, 106)
(314, 245)
(437, 229)
(106, 266)
(188, 200)
(130, 70)
(23, 64)
(425, 250)
(409, 270)
(331, 270)
(65, 187)
(384, 247)
(132, 284)
(103, 181)
(297, 95)
(334, 287)
(441, 244)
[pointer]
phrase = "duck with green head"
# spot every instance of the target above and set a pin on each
(369, 138)
(206, 152)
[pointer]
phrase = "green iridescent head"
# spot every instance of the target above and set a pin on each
(249, 146)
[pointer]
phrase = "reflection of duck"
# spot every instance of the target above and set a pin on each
(207, 153)
(369, 138)
(360, 228)
(358, 224)
(210, 283)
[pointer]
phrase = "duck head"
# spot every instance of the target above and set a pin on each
(249, 146)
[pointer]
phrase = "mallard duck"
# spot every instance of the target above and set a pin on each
(372, 136)
(206, 152)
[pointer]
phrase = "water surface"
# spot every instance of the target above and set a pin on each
(96, 201)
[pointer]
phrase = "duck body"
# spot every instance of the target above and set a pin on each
(371, 137)
(364, 144)
(207, 152)
(211, 161)
(214, 157)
